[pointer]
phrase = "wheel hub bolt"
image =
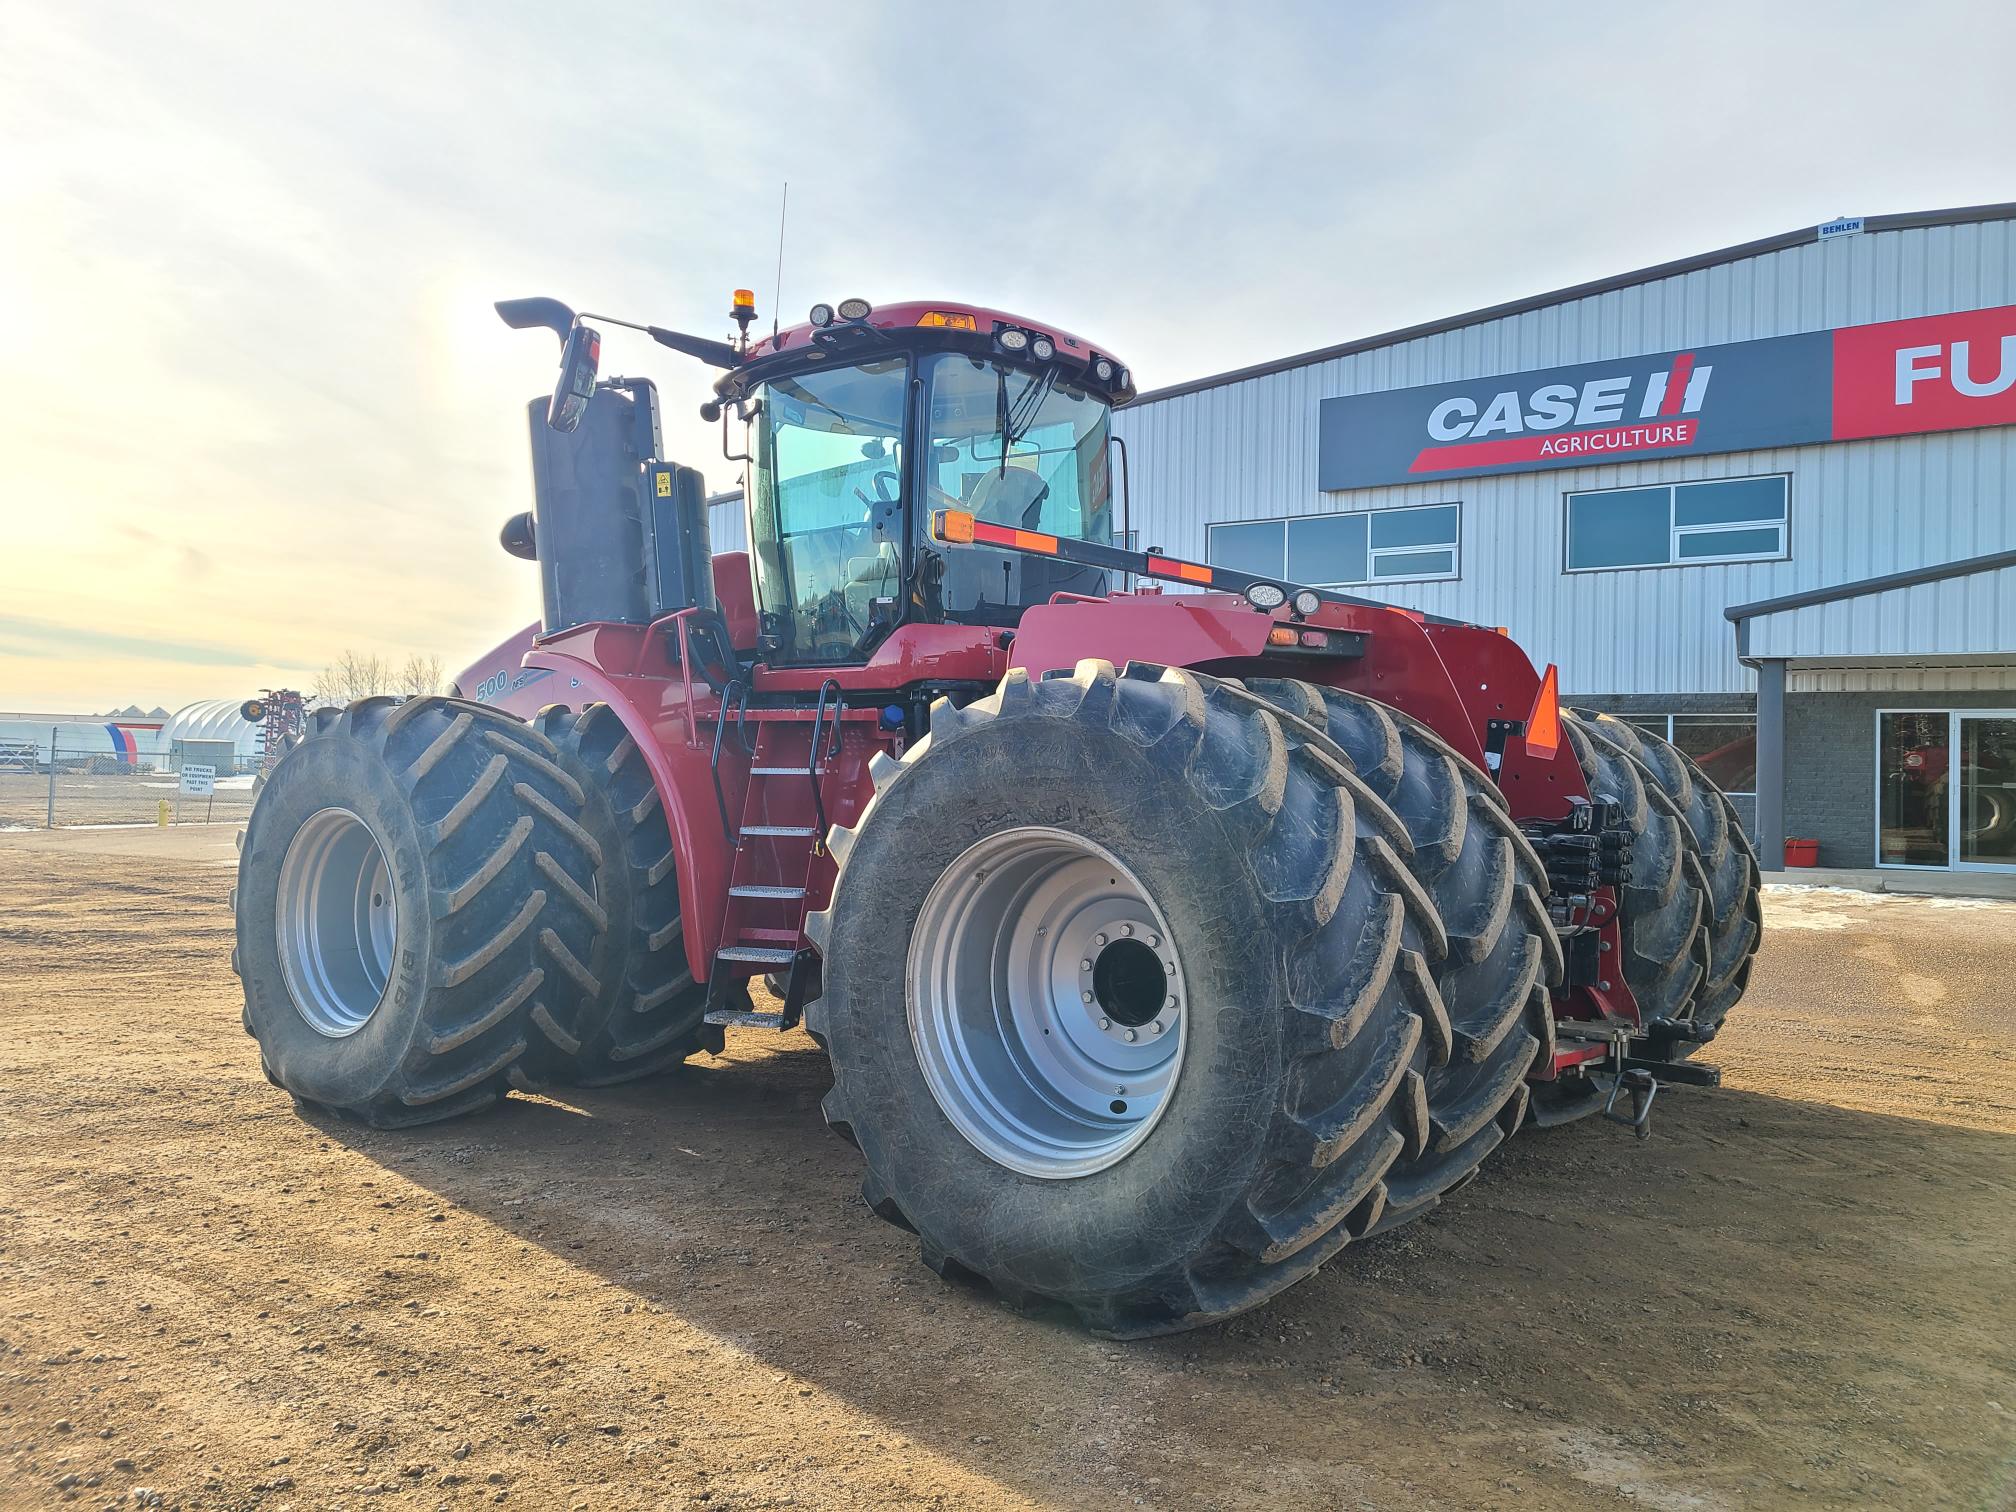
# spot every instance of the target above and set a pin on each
(1154, 941)
(1130, 1036)
(1160, 1026)
(1085, 965)
(1099, 939)
(1126, 929)
(1086, 996)
(1105, 1023)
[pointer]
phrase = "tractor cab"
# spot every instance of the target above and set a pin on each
(858, 427)
(861, 424)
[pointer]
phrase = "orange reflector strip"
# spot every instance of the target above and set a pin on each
(948, 320)
(956, 525)
(1169, 567)
(1543, 725)
(1281, 635)
(983, 534)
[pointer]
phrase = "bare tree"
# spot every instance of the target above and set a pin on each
(421, 675)
(354, 675)
(350, 677)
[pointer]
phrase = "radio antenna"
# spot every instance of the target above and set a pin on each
(777, 302)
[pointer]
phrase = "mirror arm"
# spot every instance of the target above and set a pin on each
(714, 353)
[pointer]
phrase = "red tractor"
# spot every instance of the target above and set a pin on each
(1168, 928)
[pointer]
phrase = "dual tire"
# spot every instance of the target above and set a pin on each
(438, 902)
(1690, 919)
(1355, 1007)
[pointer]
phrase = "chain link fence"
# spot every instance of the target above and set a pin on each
(62, 788)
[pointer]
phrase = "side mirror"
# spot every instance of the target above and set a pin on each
(578, 361)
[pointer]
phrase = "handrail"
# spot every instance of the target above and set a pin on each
(813, 755)
(714, 768)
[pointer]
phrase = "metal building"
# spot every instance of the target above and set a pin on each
(1787, 467)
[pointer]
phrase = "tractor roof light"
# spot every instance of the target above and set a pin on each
(855, 309)
(948, 320)
(822, 315)
(1042, 348)
(745, 299)
(1307, 601)
(1266, 596)
(1012, 340)
(1102, 370)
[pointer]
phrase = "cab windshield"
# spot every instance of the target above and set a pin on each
(1016, 448)
(827, 476)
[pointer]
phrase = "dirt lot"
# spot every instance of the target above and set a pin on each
(1799, 1293)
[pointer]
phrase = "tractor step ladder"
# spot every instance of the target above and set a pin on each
(773, 859)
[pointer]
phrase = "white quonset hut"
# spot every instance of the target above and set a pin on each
(204, 732)
(1789, 464)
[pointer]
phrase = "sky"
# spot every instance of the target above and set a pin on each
(255, 408)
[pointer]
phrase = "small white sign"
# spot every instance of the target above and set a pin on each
(198, 781)
(1847, 225)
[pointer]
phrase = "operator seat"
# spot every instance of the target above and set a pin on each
(1013, 496)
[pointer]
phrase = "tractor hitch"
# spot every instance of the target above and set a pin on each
(1643, 1087)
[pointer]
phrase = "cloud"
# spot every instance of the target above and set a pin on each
(21, 636)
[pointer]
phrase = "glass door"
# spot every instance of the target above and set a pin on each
(1983, 819)
(1913, 806)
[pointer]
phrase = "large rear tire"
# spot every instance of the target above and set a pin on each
(1252, 902)
(415, 902)
(1490, 888)
(646, 1016)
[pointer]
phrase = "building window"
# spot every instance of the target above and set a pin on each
(1722, 745)
(1416, 545)
(1679, 524)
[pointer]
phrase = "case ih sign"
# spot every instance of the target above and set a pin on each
(1935, 373)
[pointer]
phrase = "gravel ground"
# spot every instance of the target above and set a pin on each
(668, 1295)
(115, 798)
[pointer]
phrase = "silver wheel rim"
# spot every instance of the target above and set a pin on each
(337, 921)
(1046, 1003)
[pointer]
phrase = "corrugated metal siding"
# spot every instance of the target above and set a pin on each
(727, 525)
(1957, 617)
(1247, 450)
(1999, 678)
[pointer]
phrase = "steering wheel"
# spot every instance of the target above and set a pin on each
(882, 496)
